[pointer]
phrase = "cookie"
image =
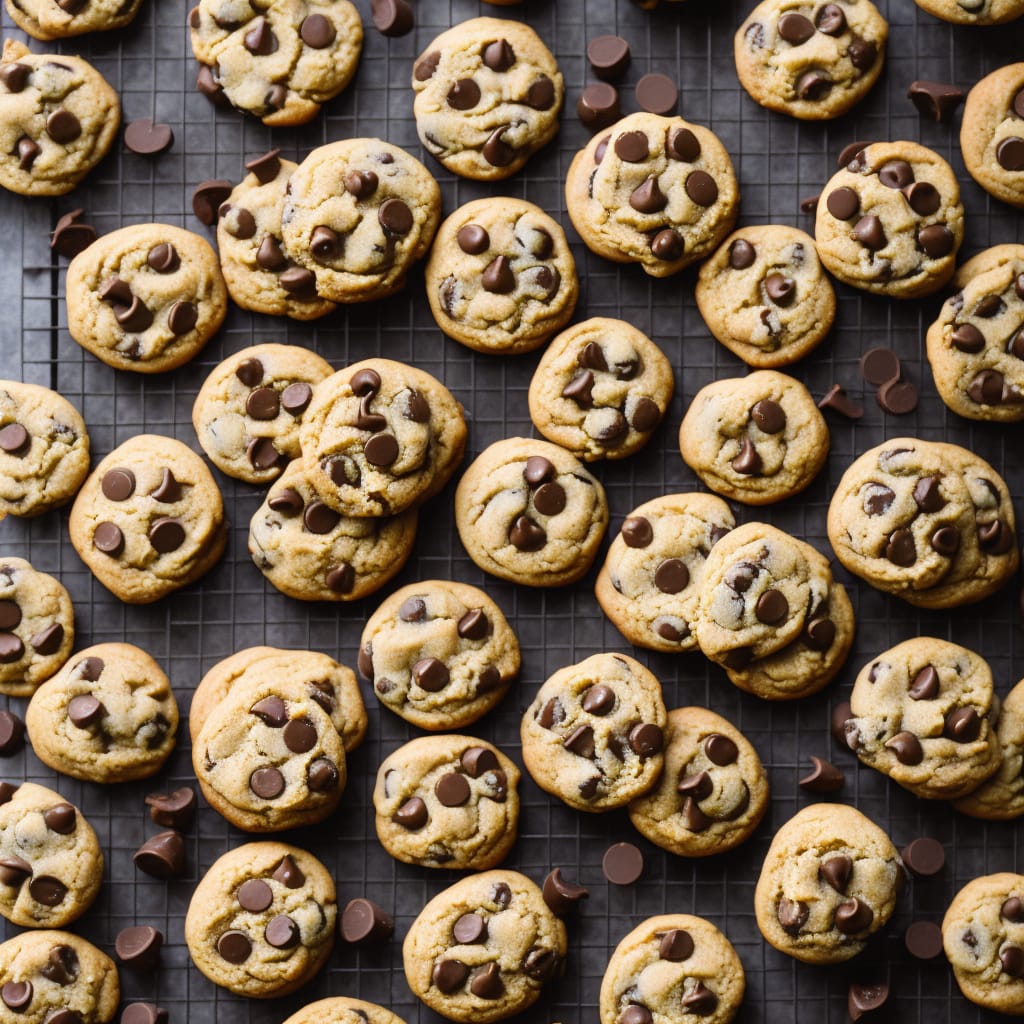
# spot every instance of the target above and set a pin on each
(983, 937)
(600, 389)
(280, 60)
(49, 19)
(37, 627)
(488, 95)
(653, 190)
(357, 215)
(58, 118)
(149, 519)
(669, 967)
(44, 449)
(145, 298)
(829, 881)
(890, 221)
(261, 921)
(380, 437)
(649, 585)
(923, 714)
(594, 734)
(973, 12)
(757, 439)
(342, 1010)
(447, 802)
(712, 793)
(764, 295)
(528, 511)
(440, 654)
(109, 715)
(332, 686)
(49, 976)
(311, 552)
(258, 274)
(813, 61)
(51, 865)
(269, 757)
(482, 949)
(247, 413)
(501, 277)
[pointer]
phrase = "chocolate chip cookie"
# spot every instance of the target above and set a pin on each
(149, 519)
(672, 965)
(109, 715)
(51, 865)
(992, 130)
(261, 921)
(976, 346)
(764, 295)
(58, 118)
(501, 277)
(440, 654)
(594, 735)
(247, 413)
(488, 94)
(600, 389)
(146, 297)
(890, 221)
(447, 802)
(278, 59)
(829, 881)
(653, 190)
(51, 19)
(973, 12)
(37, 627)
(756, 439)
(342, 1010)
(528, 511)
(44, 449)
(482, 949)
(813, 61)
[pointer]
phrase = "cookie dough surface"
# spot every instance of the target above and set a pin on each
(49, 19)
(973, 12)
(342, 1010)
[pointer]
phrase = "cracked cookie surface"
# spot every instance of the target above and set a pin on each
(51, 19)
(342, 1010)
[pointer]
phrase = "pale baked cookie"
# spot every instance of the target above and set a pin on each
(51, 865)
(501, 277)
(488, 94)
(757, 439)
(108, 716)
(37, 627)
(440, 654)
(528, 511)
(812, 61)
(447, 802)
(149, 519)
(278, 59)
(380, 437)
(247, 413)
(983, 936)
(482, 949)
(829, 881)
(657, 191)
(342, 1010)
(258, 274)
(146, 297)
(712, 793)
(669, 968)
(58, 118)
(594, 734)
(358, 214)
(649, 585)
(923, 714)
(54, 977)
(51, 19)
(261, 921)
(976, 346)
(764, 295)
(992, 130)
(269, 757)
(600, 389)
(973, 12)
(890, 221)
(44, 449)
(311, 552)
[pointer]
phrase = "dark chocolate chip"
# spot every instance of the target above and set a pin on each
(780, 289)
(85, 710)
(267, 166)
(701, 188)
(830, 20)
(683, 145)
(836, 871)
(69, 237)
(843, 203)
(541, 94)
(925, 684)
(863, 1000)
(139, 947)
(676, 945)
(862, 53)
(138, 1013)
(907, 748)
(580, 741)
(646, 740)
(1012, 910)
(667, 245)
(166, 534)
(768, 415)
(381, 449)
(936, 100)
(598, 106)
(923, 940)
(395, 18)
(470, 930)
(1010, 153)
(15, 76)
(622, 864)
(267, 783)
(474, 625)
(260, 39)
(869, 232)
(289, 874)
(317, 31)
(208, 197)
(11, 648)
(720, 750)
(936, 240)
(476, 761)
(747, 462)
(526, 535)
(549, 499)
(697, 787)
(963, 725)
(449, 975)
(598, 700)
(14, 871)
(813, 85)
(464, 94)
(173, 810)
(700, 1000)
(146, 138)
(395, 217)
(263, 404)
(609, 56)
(853, 916)
(657, 94)
(648, 197)
(431, 675)
(632, 147)
(987, 388)
(741, 254)
(16, 995)
(637, 532)
(497, 152)
(923, 197)
(61, 818)
(296, 398)
(27, 153)
(792, 915)
(825, 777)
(487, 983)
(234, 946)
(925, 857)
(551, 714)
(162, 856)
(561, 895)
(452, 789)
(427, 67)
(63, 127)
(300, 735)
(473, 239)
(282, 932)
(498, 277)
(671, 576)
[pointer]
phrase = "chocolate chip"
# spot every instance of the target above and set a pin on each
(868, 231)
(282, 932)
(166, 534)
(646, 740)
(263, 404)
(671, 576)
(162, 856)
(146, 138)
(139, 947)
(234, 946)
(15, 76)
(85, 710)
(648, 197)
(260, 39)
(412, 814)
(395, 217)
(16, 995)
(683, 145)
(14, 871)
(1017, 106)
(632, 147)
(946, 541)
(289, 874)
(646, 415)
(792, 915)
(1010, 153)
(561, 895)
(61, 818)
(340, 578)
(322, 775)
(987, 388)
(90, 669)
(426, 68)
(657, 94)
(11, 648)
(700, 1000)
(830, 20)
(923, 940)
(452, 789)
(747, 462)
(541, 94)
(795, 29)
(324, 244)
(365, 921)
(431, 675)
(317, 31)
(449, 975)
(27, 153)
(10, 615)
(47, 890)
(836, 871)
(474, 625)
(296, 398)
(813, 85)
(473, 239)
(622, 864)
(697, 787)
(936, 240)
(580, 741)
(476, 761)
(267, 783)
(499, 55)
(470, 930)
(208, 197)
(598, 106)
(923, 197)
(498, 277)
(853, 916)
(866, 999)
(1012, 960)
(825, 777)
(267, 166)
(936, 100)
(898, 397)
(551, 714)
(395, 18)
(635, 1014)
(381, 449)
(174, 810)
(925, 684)
(741, 254)
(963, 725)
(701, 188)
(862, 53)
(464, 94)
(63, 127)
(907, 748)
(637, 532)
(69, 237)
(526, 535)
(609, 56)
(300, 735)
(995, 537)
(769, 416)
(667, 245)
(720, 750)
(497, 152)
(843, 203)
(780, 289)
(896, 174)
(1012, 910)
(413, 609)
(598, 700)
(137, 1013)
(487, 983)
(927, 494)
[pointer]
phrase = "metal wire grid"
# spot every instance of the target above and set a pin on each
(779, 161)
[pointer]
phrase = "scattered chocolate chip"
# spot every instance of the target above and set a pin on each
(837, 399)
(863, 999)
(898, 397)
(208, 197)
(139, 947)
(162, 856)
(395, 18)
(622, 864)
(364, 921)
(148, 138)
(924, 856)
(936, 100)
(609, 56)
(923, 940)
(598, 106)
(12, 735)
(69, 237)
(657, 94)
(809, 204)
(825, 777)
(561, 895)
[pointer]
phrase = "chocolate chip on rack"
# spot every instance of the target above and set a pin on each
(139, 947)
(364, 921)
(609, 56)
(162, 856)
(561, 895)
(148, 138)
(825, 777)
(622, 864)
(924, 857)
(598, 106)
(71, 236)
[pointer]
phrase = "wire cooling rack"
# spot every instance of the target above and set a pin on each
(779, 161)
